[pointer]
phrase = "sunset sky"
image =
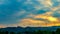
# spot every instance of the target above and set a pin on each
(32, 13)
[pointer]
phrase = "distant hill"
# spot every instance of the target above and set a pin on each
(21, 29)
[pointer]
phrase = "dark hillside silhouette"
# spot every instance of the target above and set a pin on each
(30, 30)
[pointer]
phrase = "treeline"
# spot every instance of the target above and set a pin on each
(34, 32)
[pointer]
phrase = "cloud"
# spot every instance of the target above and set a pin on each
(22, 12)
(46, 3)
(40, 20)
(46, 22)
(2, 26)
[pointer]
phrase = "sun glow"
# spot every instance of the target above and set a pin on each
(52, 19)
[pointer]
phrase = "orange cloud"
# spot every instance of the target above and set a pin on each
(36, 23)
(32, 21)
(49, 18)
(2, 26)
(49, 21)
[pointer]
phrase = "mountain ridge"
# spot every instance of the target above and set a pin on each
(21, 29)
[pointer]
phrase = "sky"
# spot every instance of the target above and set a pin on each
(32, 13)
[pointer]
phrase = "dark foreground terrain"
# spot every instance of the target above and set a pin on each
(30, 30)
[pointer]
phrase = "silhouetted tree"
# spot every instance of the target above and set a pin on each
(26, 32)
(38, 32)
(18, 32)
(12, 32)
(6, 32)
(47, 32)
(58, 31)
(53, 32)
(2, 32)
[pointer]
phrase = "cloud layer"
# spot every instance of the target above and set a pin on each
(30, 12)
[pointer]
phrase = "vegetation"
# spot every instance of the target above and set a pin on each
(34, 32)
